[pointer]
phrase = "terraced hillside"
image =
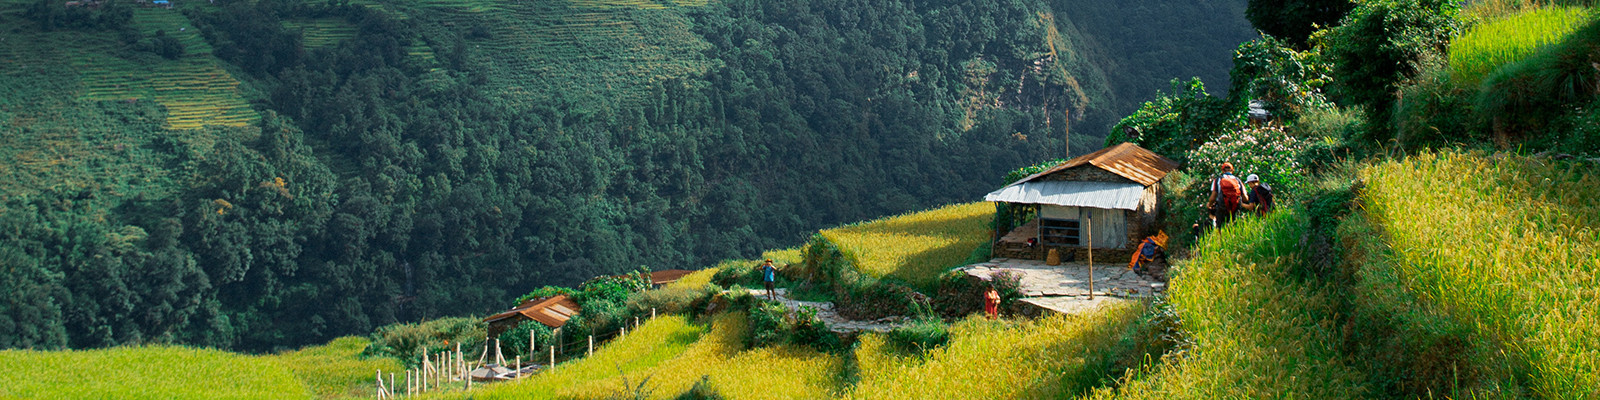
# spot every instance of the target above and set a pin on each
(589, 49)
(194, 88)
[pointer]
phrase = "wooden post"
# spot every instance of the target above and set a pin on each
(380, 383)
(591, 346)
(1090, 230)
(552, 358)
(425, 370)
(391, 384)
(636, 323)
(518, 366)
(499, 358)
(623, 332)
(531, 348)
(652, 313)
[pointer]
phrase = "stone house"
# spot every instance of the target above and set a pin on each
(1108, 199)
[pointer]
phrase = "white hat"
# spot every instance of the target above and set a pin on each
(1252, 178)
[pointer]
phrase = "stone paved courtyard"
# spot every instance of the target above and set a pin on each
(1065, 288)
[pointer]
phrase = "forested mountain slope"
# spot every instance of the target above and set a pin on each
(260, 174)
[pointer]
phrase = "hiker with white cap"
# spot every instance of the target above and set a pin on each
(1260, 199)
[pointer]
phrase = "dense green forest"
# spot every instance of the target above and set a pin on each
(368, 163)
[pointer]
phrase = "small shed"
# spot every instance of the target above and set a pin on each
(663, 277)
(553, 311)
(1112, 194)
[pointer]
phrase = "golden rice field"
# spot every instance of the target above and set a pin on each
(1506, 245)
(675, 365)
(1256, 331)
(156, 372)
(915, 247)
(1486, 47)
(1009, 359)
(195, 89)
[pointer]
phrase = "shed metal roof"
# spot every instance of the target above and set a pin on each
(552, 312)
(1108, 195)
(1126, 160)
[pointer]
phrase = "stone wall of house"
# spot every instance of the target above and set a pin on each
(1086, 173)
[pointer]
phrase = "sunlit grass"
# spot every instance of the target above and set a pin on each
(1256, 331)
(1506, 245)
(915, 247)
(155, 372)
(656, 341)
(1012, 359)
(1493, 44)
(337, 370)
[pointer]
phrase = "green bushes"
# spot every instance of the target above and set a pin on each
(921, 335)
(409, 341)
(1378, 45)
(1176, 122)
(1270, 152)
(514, 341)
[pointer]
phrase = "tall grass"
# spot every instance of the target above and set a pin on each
(1253, 330)
(657, 341)
(1507, 247)
(1488, 46)
(785, 372)
(1021, 359)
(915, 247)
(156, 372)
(337, 369)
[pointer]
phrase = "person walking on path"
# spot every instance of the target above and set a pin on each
(1260, 199)
(769, 276)
(1226, 193)
(991, 303)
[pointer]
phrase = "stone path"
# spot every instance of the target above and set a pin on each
(832, 318)
(1065, 288)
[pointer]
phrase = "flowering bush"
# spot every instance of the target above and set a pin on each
(1269, 152)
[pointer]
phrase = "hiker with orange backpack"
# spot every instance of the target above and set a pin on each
(1226, 194)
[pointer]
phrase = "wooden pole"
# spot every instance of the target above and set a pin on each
(425, 369)
(380, 383)
(1090, 230)
(652, 313)
(391, 384)
(518, 366)
(591, 346)
(552, 358)
(499, 358)
(624, 331)
(636, 323)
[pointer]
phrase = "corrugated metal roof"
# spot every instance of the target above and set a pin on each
(668, 276)
(1120, 196)
(1126, 160)
(552, 312)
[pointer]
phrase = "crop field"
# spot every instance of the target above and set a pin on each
(916, 247)
(599, 49)
(194, 88)
(1507, 247)
(1255, 331)
(1486, 47)
(322, 32)
(1008, 359)
(156, 372)
(336, 369)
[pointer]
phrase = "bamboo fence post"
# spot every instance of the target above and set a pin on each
(531, 348)
(1091, 255)
(391, 384)
(424, 372)
(636, 323)
(380, 384)
(591, 347)
(552, 357)
(624, 331)
(652, 313)
(519, 367)
(443, 376)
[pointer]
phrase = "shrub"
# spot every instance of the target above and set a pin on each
(1378, 44)
(1434, 111)
(769, 324)
(544, 292)
(810, 330)
(409, 341)
(1289, 82)
(1270, 152)
(670, 300)
(1176, 122)
(921, 335)
(515, 340)
(1525, 96)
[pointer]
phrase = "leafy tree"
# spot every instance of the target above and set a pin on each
(1174, 123)
(1294, 20)
(1379, 44)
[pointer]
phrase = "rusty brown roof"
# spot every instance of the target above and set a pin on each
(553, 311)
(1126, 160)
(668, 276)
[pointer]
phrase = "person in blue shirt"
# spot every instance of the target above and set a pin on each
(769, 276)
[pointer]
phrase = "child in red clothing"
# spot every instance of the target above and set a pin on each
(991, 303)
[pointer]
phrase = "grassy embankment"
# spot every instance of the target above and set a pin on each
(1252, 328)
(169, 372)
(1507, 40)
(1503, 249)
(915, 247)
